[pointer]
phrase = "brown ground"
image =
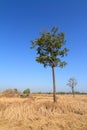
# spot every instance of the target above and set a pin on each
(40, 113)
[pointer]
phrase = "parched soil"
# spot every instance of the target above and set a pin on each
(38, 112)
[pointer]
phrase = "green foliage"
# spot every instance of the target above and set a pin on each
(26, 91)
(50, 48)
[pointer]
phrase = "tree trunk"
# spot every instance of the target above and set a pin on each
(54, 85)
(73, 91)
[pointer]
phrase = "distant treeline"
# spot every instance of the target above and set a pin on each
(59, 92)
(27, 91)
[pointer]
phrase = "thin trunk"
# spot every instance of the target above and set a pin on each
(73, 91)
(54, 85)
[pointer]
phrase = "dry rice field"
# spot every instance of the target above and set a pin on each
(38, 112)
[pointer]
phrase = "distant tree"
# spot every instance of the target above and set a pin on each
(26, 91)
(50, 50)
(11, 92)
(72, 83)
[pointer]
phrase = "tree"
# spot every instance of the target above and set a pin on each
(11, 92)
(50, 49)
(26, 91)
(72, 83)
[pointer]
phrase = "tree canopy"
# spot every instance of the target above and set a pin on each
(50, 48)
(72, 82)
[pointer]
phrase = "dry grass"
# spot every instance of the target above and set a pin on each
(40, 113)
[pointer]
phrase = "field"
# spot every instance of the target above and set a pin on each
(38, 112)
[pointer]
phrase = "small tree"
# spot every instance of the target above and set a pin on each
(50, 50)
(72, 83)
(26, 91)
(11, 92)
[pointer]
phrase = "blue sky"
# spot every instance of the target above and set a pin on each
(20, 22)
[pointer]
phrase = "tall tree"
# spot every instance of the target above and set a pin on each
(50, 49)
(72, 83)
